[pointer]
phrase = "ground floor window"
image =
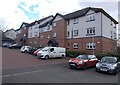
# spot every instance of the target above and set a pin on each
(75, 45)
(90, 45)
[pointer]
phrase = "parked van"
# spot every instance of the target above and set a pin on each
(51, 52)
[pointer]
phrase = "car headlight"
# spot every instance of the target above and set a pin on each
(113, 66)
(69, 61)
(97, 65)
(80, 62)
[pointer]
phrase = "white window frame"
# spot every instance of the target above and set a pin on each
(54, 35)
(68, 33)
(90, 46)
(48, 37)
(41, 37)
(90, 17)
(75, 20)
(90, 31)
(75, 45)
(75, 32)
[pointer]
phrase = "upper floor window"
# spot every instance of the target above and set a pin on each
(68, 22)
(30, 35)
(75, 20)
(54, 35)
(36, 34)
(25, 28)
(91, 31)
(54, 24)
(68, 34)
(41, 37)
(111, 33)
(48, 27)
(75, 45)
(90, 17)
(68, 46)
(75, 33)
(90, 45)
(114, 35)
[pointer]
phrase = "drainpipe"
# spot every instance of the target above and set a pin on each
(101, 35)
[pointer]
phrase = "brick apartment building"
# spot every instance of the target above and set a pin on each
(84, 30)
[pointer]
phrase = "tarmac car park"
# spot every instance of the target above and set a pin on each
(25, 68)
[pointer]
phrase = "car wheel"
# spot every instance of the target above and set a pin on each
(85, 66)
(46, 57)
(96, 70)
(25, 51)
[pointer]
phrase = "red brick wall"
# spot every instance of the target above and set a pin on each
(20, 35)
(60, 30)
(103, 45)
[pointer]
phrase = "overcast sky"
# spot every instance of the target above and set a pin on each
(14, 12)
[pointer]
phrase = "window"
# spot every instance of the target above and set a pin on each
(41, 37)
(75, 20)
(24, 35)
(30, 34)
(90, 45)
(68, 46)
(75, 45)
(54, 24)
(68, 34)
(36, 34)
(111, 34)
(48, 27)
(90, 17)
(91, 31)
(35, 42)
(68, 22)
(114, 35)
(48, 37)
(75, 33)
(54, 35)
(25, 28)
(52, 49)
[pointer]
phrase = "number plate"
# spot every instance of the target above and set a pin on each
(72, 64)
(103, 69)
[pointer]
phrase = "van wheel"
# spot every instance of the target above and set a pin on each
(62, 56)
(46, 57)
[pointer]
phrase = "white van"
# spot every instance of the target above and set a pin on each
(51, 52)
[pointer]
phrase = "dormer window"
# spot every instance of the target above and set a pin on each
(68, 22)
(48, 27)
(90, 17)
(75, 20)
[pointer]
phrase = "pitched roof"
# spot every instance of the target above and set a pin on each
(44, 18)
(45, 24)
(9, 30)
(83, 12)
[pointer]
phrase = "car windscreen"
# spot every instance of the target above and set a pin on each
(108, 60)
(85, 57)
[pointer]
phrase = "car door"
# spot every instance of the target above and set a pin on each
(52, 52)
(92, 60)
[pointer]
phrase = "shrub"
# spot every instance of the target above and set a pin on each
(99, 56)
(73, 53)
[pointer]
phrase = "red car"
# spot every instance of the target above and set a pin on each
(83, 61)
(35, 52)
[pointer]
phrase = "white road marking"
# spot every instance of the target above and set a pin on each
(22, 73)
